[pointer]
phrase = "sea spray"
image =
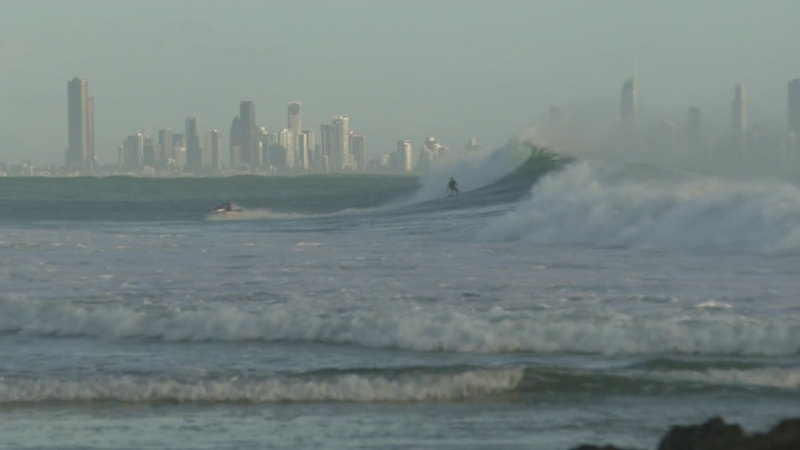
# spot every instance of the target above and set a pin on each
(591, 206)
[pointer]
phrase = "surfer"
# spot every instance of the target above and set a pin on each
(452, 187)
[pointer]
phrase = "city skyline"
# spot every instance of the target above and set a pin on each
(409, 70)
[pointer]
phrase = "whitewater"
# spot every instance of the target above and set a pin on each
(554, 302)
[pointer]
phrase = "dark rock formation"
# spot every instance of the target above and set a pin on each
(715, 434)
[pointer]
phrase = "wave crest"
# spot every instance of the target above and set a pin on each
(341, 388)
(649, 208)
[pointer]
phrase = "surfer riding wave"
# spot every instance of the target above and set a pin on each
(452, 187)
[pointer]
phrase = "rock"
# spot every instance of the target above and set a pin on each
(715, 434)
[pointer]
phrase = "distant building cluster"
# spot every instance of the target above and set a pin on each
(250, 148)
(745, 145)
(253, 149)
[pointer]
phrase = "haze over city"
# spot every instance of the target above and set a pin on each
(406, 70)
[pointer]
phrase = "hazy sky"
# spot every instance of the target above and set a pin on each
(399, 69)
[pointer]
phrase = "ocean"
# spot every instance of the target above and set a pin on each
(553, 302)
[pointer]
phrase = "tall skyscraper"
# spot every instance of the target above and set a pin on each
(248, 134)
(194, 154)
(295, 117)
(294, 124)
(80, 126)
(132, 153)
(213, 150)
(794, 106)
(326, 147)
(627, 107)
(286, 142)
(359, 151)
(166, 147)
(738, 117)
(340, 144)
(405, 156)
(309, 150)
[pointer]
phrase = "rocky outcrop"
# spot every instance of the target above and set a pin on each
(715, 434)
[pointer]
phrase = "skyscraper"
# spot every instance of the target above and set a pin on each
(80, 127)
(309, 150)
(627, 107)
(358, 150)
(213, 149)
(295, 122)
(340, 144)
(132, 153)
(247, 134)
(194, 155)
(794, 106)
(738, 117)
(295, 117)
(166, 146)
(405, 156)
(326, 147)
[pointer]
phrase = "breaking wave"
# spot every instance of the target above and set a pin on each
(698, 331)
(352, 387)
(647, 207)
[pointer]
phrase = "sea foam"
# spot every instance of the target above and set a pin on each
(599, 206)
(700, 331)
(338, 388)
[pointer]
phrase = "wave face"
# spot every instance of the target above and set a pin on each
(411, 384)
(650, 207)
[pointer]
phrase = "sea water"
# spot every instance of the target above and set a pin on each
(565, 304)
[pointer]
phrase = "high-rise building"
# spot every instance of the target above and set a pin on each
(794, 106)
(244, 138)
(235, 143)
(295, 117)
(132, 153)
(326, 147)
(80, 126)
(166, 146)
(738, 117)
(341, 158)
(213, 151)
(286, 142)
(309, 150)
(294, 125)
(194, 153)
(405, 156)
(627, 107)
(150, 156)
(358, 151)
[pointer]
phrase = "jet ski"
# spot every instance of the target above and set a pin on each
(227, 208)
